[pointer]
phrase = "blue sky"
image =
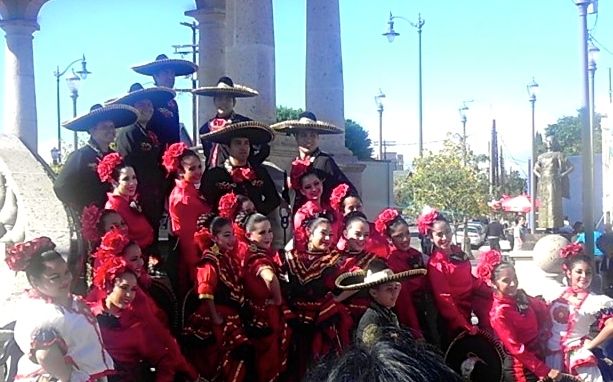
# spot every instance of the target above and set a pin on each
(472, 50)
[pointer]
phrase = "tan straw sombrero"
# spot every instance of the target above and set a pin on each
(120, 115)
(256, 132)
(180, 67)
(368, 279)
(225, 86)
(306, 121)
(158, 95)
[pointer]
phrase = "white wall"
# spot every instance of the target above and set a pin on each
(377, 189)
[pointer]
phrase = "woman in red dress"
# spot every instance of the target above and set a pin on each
(123, 199)
(185, 206)
(266, 325)
(218, 346)
(135, 341)
(415, 308)
(230, 206)
(457, 293)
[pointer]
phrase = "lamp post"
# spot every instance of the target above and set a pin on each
(55, 156)
(532, 89)
(73, 85)
(593, 53)
(378, 98)
(391, 35)
(463, 119)
(83, 75)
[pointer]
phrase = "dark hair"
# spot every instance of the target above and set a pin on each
(350, 194)
(247, 220)
(499, 268)
(352, 217)
(394, 224)
(312, 224)
(571, 261)
(105, 213)
(213, 222)
(187, 153)
(439, 218)
(240, 199)
(310, 171)
(36, 266)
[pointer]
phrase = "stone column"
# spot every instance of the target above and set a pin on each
(210, 15)
(20, 96)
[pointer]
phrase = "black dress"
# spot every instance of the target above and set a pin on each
(374, 322)
(165, 123)
(78, 185)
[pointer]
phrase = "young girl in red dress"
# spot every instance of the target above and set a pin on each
(185, 206)
(230, 206)
(218, 346)
(266, 312)
(415, 308)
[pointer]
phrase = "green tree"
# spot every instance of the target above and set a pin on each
(285, 113)
(514, 184)
(567, 130)
(357, 140)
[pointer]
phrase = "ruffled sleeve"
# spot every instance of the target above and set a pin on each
(601, 307)
(206, 280)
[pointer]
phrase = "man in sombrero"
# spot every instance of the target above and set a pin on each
(78, 184)
(142, 149)
(224, 96)
(165, 120)
(236, 174)
(306, 130)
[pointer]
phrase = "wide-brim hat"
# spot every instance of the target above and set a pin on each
(256, 132)
(306, 121)
(120, 115)
(158, 95)
(365, 279)
(180, 67)
(477, 358)
(225, 86)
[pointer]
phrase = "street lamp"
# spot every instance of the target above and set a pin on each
(55, 156)
(462, 110)
(378, 98)
(391, 34)
(593, 53)
(73, 83)
(532, 89)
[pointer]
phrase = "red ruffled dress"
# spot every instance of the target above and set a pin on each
(218, 351)
(523, 330)
(266, 324)
(185, 205)
(309, 210)
(349, 262)
(139, 229)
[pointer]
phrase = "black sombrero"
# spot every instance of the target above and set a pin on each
(256, 132)
(180, 67)
(225, 86)
(477, 358)
(120, 115)
(367, 279)
(158, 95)
(306, 121)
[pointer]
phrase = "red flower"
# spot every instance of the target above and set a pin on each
(153, 138)
(299, 168)
(89, 223)
(170, 159)
(19, 255)
(228, 205)
(487, 263)
(217, 124)
(339, 193)
(426, 219)
(571, 250)
(242, 174)
(384, 219)
(107, 165)
(561, 314)
(203, 239)
(113, 244)
(107, 271)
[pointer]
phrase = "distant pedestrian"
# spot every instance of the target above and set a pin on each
(493, 233)
(519, 233)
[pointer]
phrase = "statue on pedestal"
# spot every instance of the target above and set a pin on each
(552, 169)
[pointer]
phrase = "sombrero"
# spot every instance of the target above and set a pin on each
(368, 279)
(256, 132)
(120, 115)
(306, 121)
(180, 67)
(477, 358)
(225, 86)
(158, 95)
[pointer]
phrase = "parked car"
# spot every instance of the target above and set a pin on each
(475, 235)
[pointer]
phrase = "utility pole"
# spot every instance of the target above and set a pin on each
(193, 50)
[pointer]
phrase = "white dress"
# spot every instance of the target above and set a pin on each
(571, 327)
(40, 324)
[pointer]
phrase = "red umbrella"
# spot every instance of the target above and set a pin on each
(520, 203)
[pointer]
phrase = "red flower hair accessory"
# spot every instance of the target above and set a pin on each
(384, 219)
(339, 193)
(242, 174)
(89, 222)
(107, 271)
(19, 255)
(571, 250)
(171, 158)
(203, 239)
(113, 244)
(299, 168)
(426, 220)
(107, 165)
(228, 204)
(487, 263)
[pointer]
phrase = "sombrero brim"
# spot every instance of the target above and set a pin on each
(483, 346)
(319, 127)
(256, 132)
(238, 91)
(180, 67)
(355, 280)
(157, 95)
(120, 115)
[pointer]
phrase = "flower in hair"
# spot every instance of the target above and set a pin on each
(426, 220)
(299, 168)
(487, 263)
(107, 165)
(106, 272)
(203, 239)
(571, 250)
(19, 255)
(113, 244)
(339, 193)
(171, 158)
(227, 206)
(385, 218)
(89, 222)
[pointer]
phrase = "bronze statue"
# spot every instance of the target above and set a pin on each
(552, 169)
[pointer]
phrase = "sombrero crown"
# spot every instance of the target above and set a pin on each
(158, 95)
(180, 67)
(306, 121)
(256, 132)
(225, 86)
(120, 115)
(377, 274)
